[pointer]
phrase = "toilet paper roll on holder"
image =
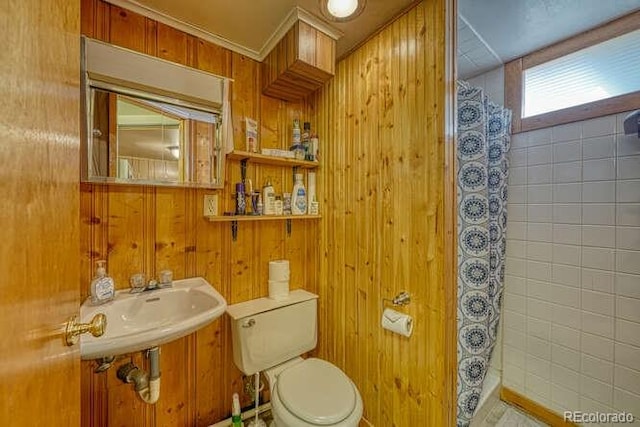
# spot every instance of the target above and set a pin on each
(402, 299)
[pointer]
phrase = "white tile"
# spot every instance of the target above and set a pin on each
(516, 267)
(539, 367)
(627, 145)
(596, 390)
(597, 302)
(599, 148)
(567, 234)
(518, 158)
(566, 337)
(539, 232)
(628, 402)
(513, 377)
(599, 369)
(567, 172)
(567, 193)
(567, 214)
(514, 356)
(597, 346)
(591, 406)
(540, 213)
(628, 214)
(563, 397)
(516, 248)
(599, 127)
(599, 192)
(628, 332)
(599, 214)
(565, 295)
(627, 285)
(516, 303)
(538, 386)
(516, 321)
(517, 230)
(515, 338)
(539, 251)
(565, 254)
(565, 316)
(539, 137)
(517, 212)
(517, 176)
(620, 120)
(599, 170)
(540, 155)
(538, 347)
(519, 140)
(541, 174)
(515, 285)
(628, 191)
(567, 132)
(567, 275)
(597, 324)
(627, 379)
(565, 357)
(598, 258)
(539, 328)
(628, 308)
(567, 377)
(627, 355)
(597, 280)
(539, 270)
(598, 235)
(628, 238)
(517, 193)
(629, 167)
(628, 261)
(539, 193)
(540, 309)
(567, 152)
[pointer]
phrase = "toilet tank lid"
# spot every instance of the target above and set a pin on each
(260, 305)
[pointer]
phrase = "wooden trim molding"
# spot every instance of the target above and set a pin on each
(514, 79)
(533, 408)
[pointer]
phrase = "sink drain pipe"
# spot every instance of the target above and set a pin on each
(147, 385)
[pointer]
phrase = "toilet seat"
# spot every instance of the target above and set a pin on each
(315, 393)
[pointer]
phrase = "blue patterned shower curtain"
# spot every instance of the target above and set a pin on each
(483, 144)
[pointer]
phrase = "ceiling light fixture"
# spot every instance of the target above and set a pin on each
(341, 10)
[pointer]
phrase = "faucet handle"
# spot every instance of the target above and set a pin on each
(137, 283)
(165, 279)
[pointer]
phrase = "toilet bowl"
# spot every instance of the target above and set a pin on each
(312, 393)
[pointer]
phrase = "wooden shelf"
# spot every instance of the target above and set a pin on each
(240, 218)
(271, 160)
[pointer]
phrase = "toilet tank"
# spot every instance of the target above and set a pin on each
(266, 332)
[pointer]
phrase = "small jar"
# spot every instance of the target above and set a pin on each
(278, 205)
(286, 204)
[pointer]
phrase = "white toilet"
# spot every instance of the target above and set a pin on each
(270, 336)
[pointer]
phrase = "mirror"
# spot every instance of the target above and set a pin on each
(149, 121)
(136, 140)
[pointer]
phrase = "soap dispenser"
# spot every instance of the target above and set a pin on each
(102, 286)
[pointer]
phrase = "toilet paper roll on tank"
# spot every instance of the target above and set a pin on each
(279, 279)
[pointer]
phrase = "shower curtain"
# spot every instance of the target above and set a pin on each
(483, 144)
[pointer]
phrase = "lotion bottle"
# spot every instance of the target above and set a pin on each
(102, 286)
(298, 197)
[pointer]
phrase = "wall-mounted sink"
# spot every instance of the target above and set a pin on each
(136, 322)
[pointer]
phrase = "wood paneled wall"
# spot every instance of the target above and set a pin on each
(384, 153)
(146, 229)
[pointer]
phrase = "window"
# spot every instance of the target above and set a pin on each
(593, 74)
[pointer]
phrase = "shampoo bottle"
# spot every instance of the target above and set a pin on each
(298, 197)
(102, 286)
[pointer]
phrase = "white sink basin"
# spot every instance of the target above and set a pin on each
(140, 321)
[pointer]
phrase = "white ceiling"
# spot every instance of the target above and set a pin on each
(247, 25)
(496, 31)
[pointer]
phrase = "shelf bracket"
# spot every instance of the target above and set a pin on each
(288, 227)
(234, 230)
(243, 169)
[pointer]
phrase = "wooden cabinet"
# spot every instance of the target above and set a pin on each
(299, 64)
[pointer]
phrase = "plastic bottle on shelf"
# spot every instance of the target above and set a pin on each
(298, 196)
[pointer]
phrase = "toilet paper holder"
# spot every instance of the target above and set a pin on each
(402, 299)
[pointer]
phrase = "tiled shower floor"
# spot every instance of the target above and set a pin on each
(504, 415)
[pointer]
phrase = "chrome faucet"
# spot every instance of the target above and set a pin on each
(138, 285)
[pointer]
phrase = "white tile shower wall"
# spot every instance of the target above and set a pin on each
(572, 286)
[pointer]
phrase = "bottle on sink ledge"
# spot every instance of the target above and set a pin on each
(102, 286)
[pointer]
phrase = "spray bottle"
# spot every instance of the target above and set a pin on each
(236, 418)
